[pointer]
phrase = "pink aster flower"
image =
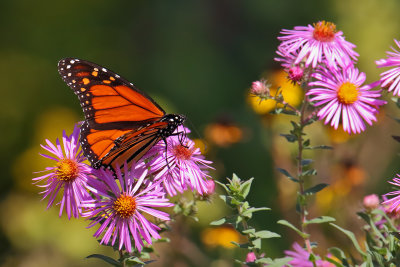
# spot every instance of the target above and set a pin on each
(393, 204)
(301, 258)
(288, 62)
(317, 43)
(69, 174)
(121, 208)
(180, 165)
(390, 79)
(343, 99)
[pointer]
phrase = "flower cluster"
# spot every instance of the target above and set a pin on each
(319, 57)
(125, 203)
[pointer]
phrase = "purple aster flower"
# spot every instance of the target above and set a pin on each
(344, 99)
(317, 43)
(69, 174)
(301, 258)
(390, 79)
(122, 206)
(393, 204)
(186, 166)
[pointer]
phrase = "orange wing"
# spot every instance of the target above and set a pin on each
(115, 147)
(121, 122)
(108, 101)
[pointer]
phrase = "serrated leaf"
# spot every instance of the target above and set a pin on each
(266, 234)
(105, 258)
(287, 174)
(315, 189)
(288, 224)
(219, 222)
(245, 188)
(352, 238)
(321, 219)
(289, 137)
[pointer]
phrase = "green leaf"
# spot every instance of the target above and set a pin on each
(249, 231)
(287, 174)
(352, 238)
(276, 262)
(105, 258)
(337, 264)
(219, 222)
(337, 252)
(306, 143)
(223, 185)
(266, 234)
(319, 147)
(288, 224)
(244, 245)
(321, 219)
(256, 243)
(245, 188)
(309, 172)
(289, 137)
(251, 210)
(306, 162)
(315, 189)
(134, 260)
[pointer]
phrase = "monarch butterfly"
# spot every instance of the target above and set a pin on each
(121, 122)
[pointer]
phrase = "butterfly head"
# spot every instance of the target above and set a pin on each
(174, 120)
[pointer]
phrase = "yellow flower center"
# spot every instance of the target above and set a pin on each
(324, 31)
(67, 170)
(125, 206)
(347, 93)
(181, 152)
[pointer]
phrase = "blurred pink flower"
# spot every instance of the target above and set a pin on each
(390, 79)
(393, 204)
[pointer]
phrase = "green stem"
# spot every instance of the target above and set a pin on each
(302, 204)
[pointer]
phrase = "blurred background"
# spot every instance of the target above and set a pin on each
(196, 58)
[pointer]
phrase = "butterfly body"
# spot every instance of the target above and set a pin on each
(121, 122)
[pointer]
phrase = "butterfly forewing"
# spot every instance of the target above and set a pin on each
(108, 101)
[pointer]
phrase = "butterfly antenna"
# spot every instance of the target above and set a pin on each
(197, 133)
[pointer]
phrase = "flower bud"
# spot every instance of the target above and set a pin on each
(371, 202)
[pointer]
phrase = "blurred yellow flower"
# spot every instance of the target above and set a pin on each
(220, 236)
(292, 93)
